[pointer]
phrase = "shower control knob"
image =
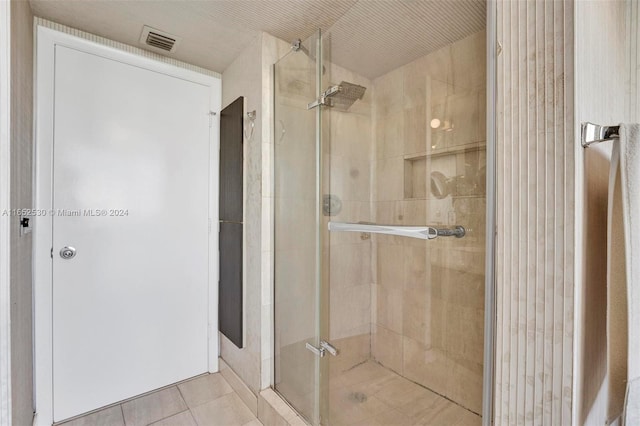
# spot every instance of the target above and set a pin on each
(67, 252)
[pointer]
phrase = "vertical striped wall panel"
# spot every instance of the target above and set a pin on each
(121, 46)
(535, 213)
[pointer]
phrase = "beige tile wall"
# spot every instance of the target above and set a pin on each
(250, 76)
(428, 297)
(535, 242)
(243, 78)
(348, 148)
(21, 198)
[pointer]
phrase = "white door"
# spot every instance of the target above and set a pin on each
(131, 194)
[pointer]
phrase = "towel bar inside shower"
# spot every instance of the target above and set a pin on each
(595, 133)
(421, 232)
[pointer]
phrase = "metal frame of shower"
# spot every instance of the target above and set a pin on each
(488, 380)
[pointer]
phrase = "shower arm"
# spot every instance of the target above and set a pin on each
(420, 232)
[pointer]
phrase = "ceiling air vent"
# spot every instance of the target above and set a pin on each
(159, 40)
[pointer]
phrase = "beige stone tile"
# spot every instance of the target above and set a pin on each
(254, 422)
(387, 418)
(415, 83)
(389, 307)
(421, 406)
(388, 93)
(350, 311)
(153, 407)
(204, 389)
(364, 373)
(389, 213)
(400, 391)
(465, 116)
(390, 179)
(390, 135)
(417, 266)
(388, 349)
(416, 315)
(415, 126)
(348, 408)
(469, 61)
(354, 350)
(444, 412)
(108, 417)
(414, 213)
(459, 380)
(273, 410)
(239, 387)
(182, 419)
(350, 264)
(350, 178)
(351, 135)
(226, 410)
(390, 265)
(440, 90)
(438, 65)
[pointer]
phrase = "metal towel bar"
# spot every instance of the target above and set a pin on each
(421, 232)
(594, 133)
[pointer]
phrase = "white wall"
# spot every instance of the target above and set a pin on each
(21, 193)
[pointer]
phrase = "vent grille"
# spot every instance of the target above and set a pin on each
(159, 40)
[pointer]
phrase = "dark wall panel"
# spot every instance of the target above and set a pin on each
(231, 161)
(231, 197)
(230, 308)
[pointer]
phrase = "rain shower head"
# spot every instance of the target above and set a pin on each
(346, 95)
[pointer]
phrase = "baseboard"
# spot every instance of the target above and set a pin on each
(243, 391)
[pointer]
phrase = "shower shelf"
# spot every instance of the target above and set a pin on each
(458, 149)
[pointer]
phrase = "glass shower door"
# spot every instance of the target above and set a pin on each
(297, 222)
(402, 289)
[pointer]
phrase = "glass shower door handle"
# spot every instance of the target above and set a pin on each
(420, 232)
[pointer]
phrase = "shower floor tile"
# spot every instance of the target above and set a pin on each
(370, 394)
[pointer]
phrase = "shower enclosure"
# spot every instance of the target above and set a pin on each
(380, 200)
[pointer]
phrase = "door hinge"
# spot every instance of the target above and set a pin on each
(52, 252)
(323, 349)
(211, 115)
(324, 100)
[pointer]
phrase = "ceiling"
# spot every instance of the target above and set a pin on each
(370, 37)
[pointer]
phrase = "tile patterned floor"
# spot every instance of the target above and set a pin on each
(203, 401)
(367, 395)
(371, 395)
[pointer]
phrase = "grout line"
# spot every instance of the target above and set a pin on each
(182, 397)
(409, 380)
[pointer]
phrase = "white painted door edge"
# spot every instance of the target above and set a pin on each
(46, 40)
(5, 220)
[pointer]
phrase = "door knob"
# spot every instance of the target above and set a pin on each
(67, 252)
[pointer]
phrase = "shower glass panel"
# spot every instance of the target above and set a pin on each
(380, 208)
(297, 229)
(404, 302)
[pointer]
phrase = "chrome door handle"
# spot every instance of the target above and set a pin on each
(421, 232)
(67, 252)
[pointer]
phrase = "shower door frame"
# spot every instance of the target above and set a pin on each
(488, 384)
(488, 381)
